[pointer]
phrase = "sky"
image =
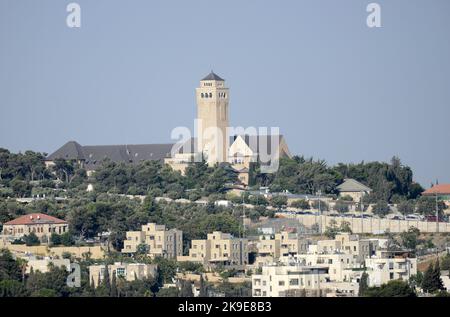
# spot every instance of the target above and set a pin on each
(337, 89)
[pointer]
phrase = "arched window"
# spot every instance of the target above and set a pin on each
(210, 95)
(202, 95)
(206, 95)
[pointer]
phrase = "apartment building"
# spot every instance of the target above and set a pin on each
(218, 249)
(386, 266)
(340, 266)
(272, 247)
(41, 225)
(157, 239)
(360, 249)
(296, 279)
(127, 271)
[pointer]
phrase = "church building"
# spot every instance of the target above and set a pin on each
(213, 141)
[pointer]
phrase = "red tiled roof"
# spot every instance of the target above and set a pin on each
(443, 189)
(31, 219)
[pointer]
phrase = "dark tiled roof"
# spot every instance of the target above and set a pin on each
(69, 151)
(213, 76)
(93, 155)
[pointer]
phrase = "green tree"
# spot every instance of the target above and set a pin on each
(186, 289)
(445, 265)
(55, 239)
(395, 288)
(300, 204)
(203, 287)
(406, 207)
(381, 208)
(341, 206)
(278, 201)
(12, 288)
(10, 269)
(113, 286)
(332, 230)
(31, 240)
(432, 281)
(67, 239)
(410, 238)
(427, 206)
(363, 284)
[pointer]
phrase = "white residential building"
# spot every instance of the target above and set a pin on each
(386, 266)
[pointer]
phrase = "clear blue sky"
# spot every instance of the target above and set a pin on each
(337, 89)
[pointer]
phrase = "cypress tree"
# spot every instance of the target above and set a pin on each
(432, 281)
(114, 286)
(203, 290)
(427, 282)
(439, 285)
(363, 284)
(106, 280)
(186, 289)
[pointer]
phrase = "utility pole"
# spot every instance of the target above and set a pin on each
(437, 214)
(243, 220)
(320, 213)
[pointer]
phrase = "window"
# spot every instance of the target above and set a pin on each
(120, 272)
(293, 281)
(281, 283)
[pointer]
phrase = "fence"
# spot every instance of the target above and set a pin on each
(372, 225)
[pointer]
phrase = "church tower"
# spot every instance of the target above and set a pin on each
(212, 115)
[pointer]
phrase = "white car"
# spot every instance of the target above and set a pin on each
(414, 217)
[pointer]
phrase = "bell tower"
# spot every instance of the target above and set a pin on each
(212, 116)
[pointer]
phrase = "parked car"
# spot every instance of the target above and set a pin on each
(395, 217)
(431, 218)
(414, 217)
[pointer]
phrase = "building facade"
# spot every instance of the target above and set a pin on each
(271, 247)
(218, 249)
(41, 225)
(157, 241)
(126, 271)
(386, 266)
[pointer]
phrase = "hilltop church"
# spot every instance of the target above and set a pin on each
(213, 142)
